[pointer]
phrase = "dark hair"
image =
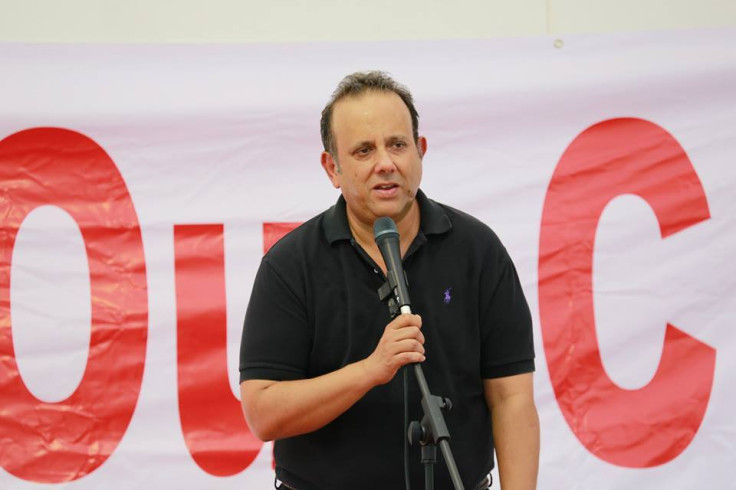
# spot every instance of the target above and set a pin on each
(357, 84)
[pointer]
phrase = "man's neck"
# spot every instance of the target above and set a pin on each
(408, 227)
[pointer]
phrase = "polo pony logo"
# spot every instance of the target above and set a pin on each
(448, 297)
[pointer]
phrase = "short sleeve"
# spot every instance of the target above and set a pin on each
(277, 337)
(507, 344)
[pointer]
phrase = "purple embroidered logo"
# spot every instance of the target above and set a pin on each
(448, 298)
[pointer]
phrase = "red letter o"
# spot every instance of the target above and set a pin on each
(57, 442)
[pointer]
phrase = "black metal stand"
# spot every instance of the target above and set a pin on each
(432, 430)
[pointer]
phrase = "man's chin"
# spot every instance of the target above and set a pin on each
(395, 211)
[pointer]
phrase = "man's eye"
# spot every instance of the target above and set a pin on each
(399, 144)
(363, 151)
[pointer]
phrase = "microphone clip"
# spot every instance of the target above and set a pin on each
(388, 293)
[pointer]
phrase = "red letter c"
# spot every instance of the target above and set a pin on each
(633, 428)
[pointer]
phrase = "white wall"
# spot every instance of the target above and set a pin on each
(200, 21)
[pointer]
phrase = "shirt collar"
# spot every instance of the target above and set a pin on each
(434, 219)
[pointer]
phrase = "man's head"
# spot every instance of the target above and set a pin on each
(373, 150)
(355, 85)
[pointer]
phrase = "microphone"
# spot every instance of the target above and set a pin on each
(387, 239)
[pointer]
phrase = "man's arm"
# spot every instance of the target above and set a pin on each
(279, 409)
(515, 430)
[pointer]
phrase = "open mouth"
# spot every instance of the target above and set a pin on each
(385, 187)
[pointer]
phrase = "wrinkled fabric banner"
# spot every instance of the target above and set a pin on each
(140, 185)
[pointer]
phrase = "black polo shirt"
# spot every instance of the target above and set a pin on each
(314, 309)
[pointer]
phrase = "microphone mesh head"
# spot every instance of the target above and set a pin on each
(384, 228)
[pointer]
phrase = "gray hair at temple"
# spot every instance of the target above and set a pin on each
(355, 85)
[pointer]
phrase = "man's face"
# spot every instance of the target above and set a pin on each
(379, 166)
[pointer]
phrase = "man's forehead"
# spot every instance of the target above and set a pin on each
(373, 103)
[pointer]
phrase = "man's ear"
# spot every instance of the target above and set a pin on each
(422, 146)
(332, 169)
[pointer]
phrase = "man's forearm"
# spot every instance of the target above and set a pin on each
(516, 437)
(279, 409)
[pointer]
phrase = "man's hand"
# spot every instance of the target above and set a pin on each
(402, 343)
(278, 409)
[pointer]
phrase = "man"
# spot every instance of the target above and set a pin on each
(320, 353)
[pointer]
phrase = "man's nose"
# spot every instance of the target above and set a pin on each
(385, 161)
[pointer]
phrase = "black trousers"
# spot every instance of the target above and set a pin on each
(484, 484)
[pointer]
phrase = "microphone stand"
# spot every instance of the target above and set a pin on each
(432, 430)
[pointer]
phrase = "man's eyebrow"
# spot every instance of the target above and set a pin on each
(361, 144)
(395, 138)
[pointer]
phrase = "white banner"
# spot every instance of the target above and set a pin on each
(139, 186)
